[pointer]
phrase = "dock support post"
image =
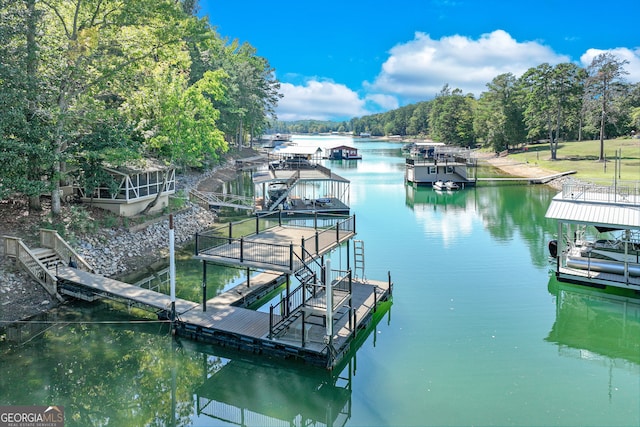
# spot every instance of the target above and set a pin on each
(348, 262)
(350, 298)
(286, 307)
(291, 256)
(328, 289)
(172, 269)
(230, 232)
(248, 277)
(204, 286)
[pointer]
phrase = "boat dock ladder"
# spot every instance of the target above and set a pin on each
(358, 257)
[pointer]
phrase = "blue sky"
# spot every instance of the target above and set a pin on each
(338, 59)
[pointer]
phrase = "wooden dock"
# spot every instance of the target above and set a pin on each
(229, 323)
(316, 322)
(284, 248)
(518, 180)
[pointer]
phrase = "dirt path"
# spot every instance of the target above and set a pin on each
(516, 168)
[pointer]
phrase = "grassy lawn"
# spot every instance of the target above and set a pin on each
(583, 158)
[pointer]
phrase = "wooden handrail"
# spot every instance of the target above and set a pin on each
(15, 248)
(51, 239)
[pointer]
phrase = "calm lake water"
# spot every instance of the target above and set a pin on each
(479, 331)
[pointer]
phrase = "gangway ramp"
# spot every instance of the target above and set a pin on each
(69, 277)
(227, 200)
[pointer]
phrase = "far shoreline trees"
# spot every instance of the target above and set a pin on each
(547, 104)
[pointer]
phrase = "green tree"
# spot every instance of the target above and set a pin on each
(604, 85)
(499, 119)
(551, 97)
(23, 122)
(252, 90)
(93, 48)
(185, 128)
(451, 117)
(419, 121)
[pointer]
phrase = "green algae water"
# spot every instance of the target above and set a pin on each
(479, 331)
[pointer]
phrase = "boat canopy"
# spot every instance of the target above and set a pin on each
(612, 215)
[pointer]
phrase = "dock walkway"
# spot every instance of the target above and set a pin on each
(228, 322)
(316, 322)
(539, 180)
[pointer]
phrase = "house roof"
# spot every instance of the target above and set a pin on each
(341, 147)
(138, 166)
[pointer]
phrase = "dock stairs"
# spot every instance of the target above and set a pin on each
(291, 182)
(47, 257)
(41, 262)
(308, 279)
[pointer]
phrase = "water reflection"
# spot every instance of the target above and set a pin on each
(425, 197)
(592, 324)
(109, 365)
(250, 391)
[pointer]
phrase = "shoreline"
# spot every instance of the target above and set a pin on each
(115, 253)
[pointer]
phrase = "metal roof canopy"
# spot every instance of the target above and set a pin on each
(298, 149)
(620, 214)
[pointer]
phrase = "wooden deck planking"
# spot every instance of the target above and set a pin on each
(123, 290)
(254, 253)
(222, 317)
(235, 320)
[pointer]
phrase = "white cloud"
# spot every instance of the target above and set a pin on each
(326, 100)
(386, 102)
(622, 53)
(418, 69)
(320, 100)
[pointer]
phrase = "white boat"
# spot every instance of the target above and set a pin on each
(451, 186)
(439, 185)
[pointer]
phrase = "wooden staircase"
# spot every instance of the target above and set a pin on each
(47, 257)
(41, 262)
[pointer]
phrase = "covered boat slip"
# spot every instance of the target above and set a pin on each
(442, 163)
(583, 212)
(299, 188)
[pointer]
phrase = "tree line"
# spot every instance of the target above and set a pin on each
(547, 103)
(85, 84)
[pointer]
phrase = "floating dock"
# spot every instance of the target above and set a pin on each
(316, 322)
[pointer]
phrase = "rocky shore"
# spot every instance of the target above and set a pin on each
(114, 252)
